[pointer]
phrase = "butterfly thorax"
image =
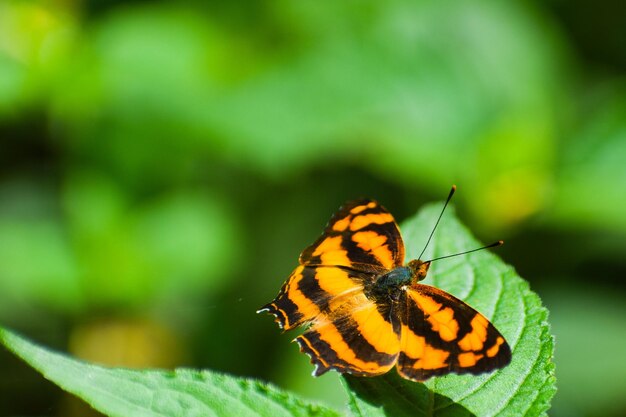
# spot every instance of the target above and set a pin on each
(390, 284)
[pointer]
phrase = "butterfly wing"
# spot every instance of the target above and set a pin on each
(312, 291)
(441, 334)
(347, 331)
(362, 235)
(357, 337)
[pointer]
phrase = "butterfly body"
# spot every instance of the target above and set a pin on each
(365, 311)
(389, 285)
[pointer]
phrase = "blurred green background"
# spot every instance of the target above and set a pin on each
(162, 164)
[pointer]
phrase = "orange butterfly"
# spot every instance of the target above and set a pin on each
(366, 311)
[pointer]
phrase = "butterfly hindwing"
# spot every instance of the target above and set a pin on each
(357, 337)
(362, 235)
(347, 331)
(442, 334)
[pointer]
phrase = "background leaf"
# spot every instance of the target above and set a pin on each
(123, 392)
(525, 387)
(593, 165)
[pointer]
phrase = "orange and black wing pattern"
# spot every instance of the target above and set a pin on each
(365, 313)
(356, 337)
(347, 331)
(441, 334)
(362, 235)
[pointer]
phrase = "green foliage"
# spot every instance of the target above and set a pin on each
(525, 387)
(184, 392)
(593, 167)
(378, 88)
(103, 249)
(592, 320)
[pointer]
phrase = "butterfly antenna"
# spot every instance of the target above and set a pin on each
(494, 244)
(439, 218)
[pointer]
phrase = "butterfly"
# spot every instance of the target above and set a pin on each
(365, 311)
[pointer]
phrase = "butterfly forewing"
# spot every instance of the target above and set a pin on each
(442, 334)
(312, 291)
(361, 235)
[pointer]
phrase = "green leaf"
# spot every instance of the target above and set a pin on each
(183, 392)
(524, 387)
